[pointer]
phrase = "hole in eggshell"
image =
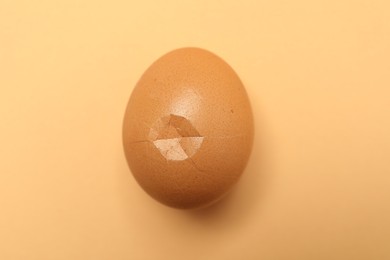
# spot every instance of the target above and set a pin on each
(175, 137)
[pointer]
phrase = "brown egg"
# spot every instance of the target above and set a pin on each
(188, 129)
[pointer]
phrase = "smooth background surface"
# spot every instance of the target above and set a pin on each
(317, 185)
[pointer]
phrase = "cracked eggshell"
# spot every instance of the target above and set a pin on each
(188, 129)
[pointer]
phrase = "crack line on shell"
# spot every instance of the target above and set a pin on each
(206, 137)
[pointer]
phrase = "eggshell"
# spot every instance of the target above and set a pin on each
(188, 129)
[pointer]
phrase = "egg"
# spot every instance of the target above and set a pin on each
(188, 129)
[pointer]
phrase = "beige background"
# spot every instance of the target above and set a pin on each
(316, 187)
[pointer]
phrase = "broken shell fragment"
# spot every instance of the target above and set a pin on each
(188, 129)
(175, 137)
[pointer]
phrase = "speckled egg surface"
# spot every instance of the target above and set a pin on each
(188, 129)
